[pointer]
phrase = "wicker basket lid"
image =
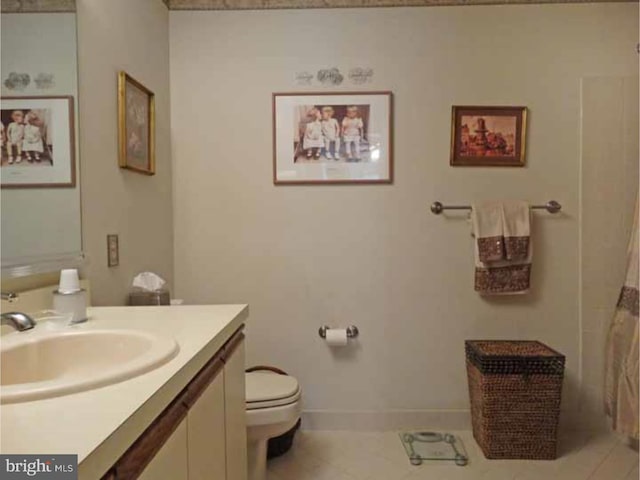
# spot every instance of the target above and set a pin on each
(514, 357)
(524, 348)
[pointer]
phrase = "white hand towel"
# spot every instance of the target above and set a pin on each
(488, 230)
(516, 229)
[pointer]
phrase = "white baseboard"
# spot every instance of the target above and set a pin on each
(385, 420)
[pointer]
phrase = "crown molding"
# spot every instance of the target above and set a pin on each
(57, 6)
(38, 6)
(302, 4)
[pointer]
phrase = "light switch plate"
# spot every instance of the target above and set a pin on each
(113, 252)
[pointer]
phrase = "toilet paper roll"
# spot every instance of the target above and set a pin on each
(337, 337)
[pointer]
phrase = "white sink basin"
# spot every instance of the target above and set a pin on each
(59, 363)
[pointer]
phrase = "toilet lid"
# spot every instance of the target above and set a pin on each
(270, 389)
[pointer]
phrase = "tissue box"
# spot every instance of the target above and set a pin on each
(141, 297)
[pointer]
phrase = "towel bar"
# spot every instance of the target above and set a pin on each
(551, 206)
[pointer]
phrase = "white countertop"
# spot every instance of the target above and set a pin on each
(100, 424)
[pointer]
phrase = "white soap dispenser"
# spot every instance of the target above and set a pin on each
(69, 299)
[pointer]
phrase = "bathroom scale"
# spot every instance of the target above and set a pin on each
(422, 446)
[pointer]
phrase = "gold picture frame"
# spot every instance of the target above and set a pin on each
(136, 126)
(488, 136)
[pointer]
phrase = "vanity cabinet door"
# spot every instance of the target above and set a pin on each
(206, 433)
(170, 463)
(235, 402)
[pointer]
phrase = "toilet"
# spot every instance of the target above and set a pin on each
(273, 408)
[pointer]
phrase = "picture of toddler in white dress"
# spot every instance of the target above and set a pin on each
(15, 135)
(352, 132)
(313, 140)
(32, 143)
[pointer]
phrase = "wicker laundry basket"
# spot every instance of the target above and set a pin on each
(514, 390)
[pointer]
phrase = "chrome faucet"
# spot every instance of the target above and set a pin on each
(19, 321)
(8, 296)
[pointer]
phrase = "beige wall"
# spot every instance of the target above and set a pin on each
(131, 36)
(374, 256)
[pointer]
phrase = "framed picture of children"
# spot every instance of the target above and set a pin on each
(321, 138)
(37, 144)
(136, 126)
(488, 136)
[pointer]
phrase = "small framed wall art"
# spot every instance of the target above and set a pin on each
(37, 142)
(136, 126)
(332, 138)
(488, 136)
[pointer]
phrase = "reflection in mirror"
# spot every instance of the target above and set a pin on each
(40, 207)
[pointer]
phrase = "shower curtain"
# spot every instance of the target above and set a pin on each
(621, 379)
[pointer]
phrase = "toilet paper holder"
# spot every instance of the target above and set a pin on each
(352, 331)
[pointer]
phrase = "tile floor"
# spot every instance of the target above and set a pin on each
(338, 455)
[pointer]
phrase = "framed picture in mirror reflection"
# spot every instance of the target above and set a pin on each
(37, 146)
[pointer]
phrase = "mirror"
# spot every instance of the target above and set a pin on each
(40, 194)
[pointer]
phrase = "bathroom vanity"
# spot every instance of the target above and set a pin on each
(183, 419)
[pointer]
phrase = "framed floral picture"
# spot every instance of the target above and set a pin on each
(332, 138)
(136, 126)
(488, 136)
(37, 146)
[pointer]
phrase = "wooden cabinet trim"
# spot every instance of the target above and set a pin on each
(208, 373)
(110, 475)
(202, 380)
(233, 343)
(138, 456)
